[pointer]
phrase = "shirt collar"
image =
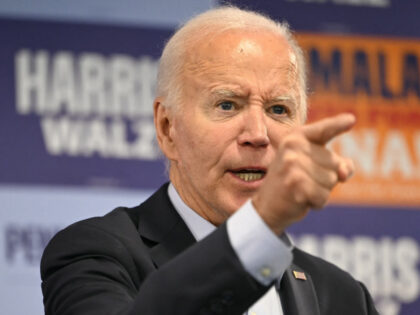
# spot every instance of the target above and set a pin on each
(198, 226)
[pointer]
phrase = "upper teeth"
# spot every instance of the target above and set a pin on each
(248, 177)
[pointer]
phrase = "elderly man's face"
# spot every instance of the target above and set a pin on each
(240, 95)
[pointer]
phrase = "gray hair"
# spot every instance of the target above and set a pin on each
(214, 22)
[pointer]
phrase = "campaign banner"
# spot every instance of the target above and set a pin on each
(371, 227)
(29, 218)
(378, 80)
(379, 246)
(77, 104)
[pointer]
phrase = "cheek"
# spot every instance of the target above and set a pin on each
(192, 146)
(203, 151)
(277, 132)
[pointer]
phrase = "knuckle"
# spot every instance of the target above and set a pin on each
(296, 186)
(332, 179)
(300, 197)
(318, 198)
(290, 160)
(296, 180)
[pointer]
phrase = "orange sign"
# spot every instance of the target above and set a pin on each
(377, 79)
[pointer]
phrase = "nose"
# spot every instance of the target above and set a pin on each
(254, 128)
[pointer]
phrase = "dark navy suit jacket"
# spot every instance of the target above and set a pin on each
(144, 260)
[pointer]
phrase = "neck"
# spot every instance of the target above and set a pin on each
(192, 198)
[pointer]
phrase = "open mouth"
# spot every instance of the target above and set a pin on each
(249, 175)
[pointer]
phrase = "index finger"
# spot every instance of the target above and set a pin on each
(322, 131)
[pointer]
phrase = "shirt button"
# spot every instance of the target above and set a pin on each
(265, 272)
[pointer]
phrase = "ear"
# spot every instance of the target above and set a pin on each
(163, 119)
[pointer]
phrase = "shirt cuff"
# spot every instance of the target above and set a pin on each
(262, 253)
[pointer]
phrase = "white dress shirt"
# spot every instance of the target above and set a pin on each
(262, 253)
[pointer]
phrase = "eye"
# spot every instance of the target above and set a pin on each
(278, 109)
(226, 106)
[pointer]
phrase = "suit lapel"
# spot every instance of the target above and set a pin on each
(298, 295)
(166, 234)
(176, 240)
(161, 227)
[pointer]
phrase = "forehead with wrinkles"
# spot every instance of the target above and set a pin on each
(250, 52)
(238, 44)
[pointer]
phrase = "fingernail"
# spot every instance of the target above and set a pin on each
(342, 172)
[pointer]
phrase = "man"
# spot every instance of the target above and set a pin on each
(229, 117)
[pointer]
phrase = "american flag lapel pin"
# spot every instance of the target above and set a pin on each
(299, 275)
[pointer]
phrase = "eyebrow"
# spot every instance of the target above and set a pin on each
(282, 98)
(228, 93)
(290, 101)
(225, 93)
